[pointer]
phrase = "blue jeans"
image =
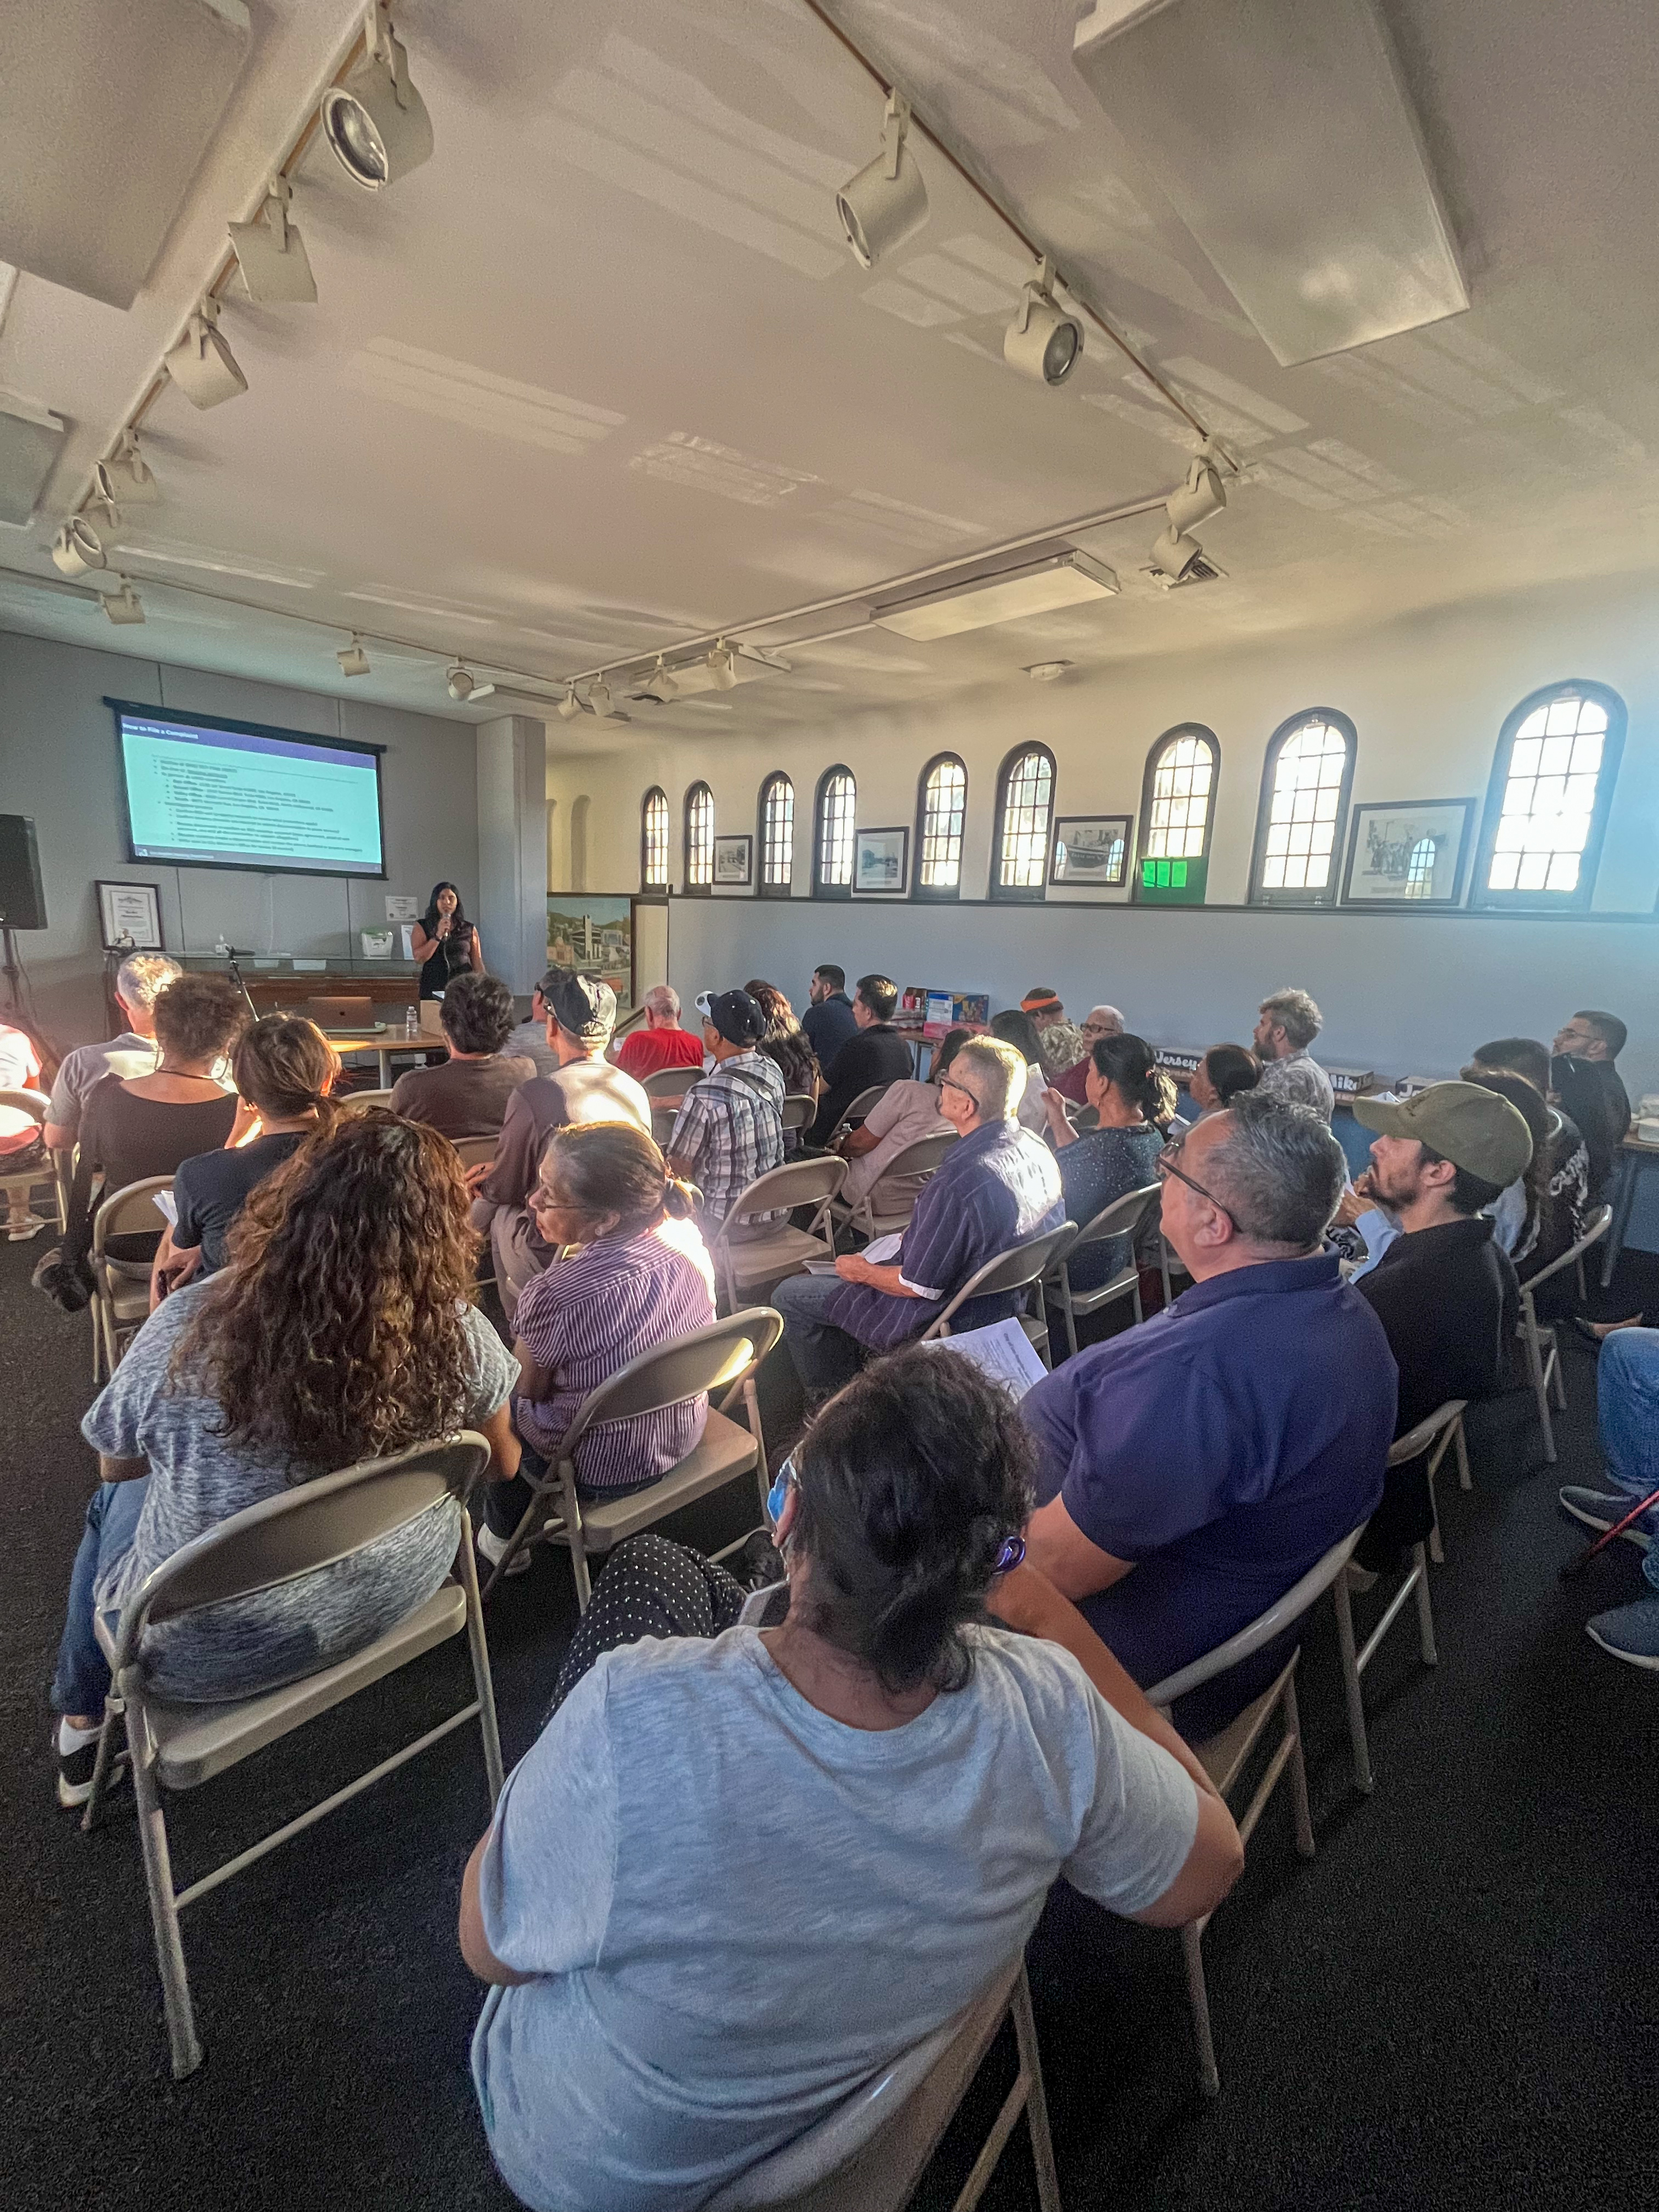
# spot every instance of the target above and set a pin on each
(82, 1681)
(1627, 1401)
(825, 1357)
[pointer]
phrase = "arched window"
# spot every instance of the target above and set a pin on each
(654, 840)
(777, 836)
(1177, 812)
(1304, 800)
(1551, 791)
(1025, 807)
(699, 838)
(1420, 868)
(941, 807)
(832, 843)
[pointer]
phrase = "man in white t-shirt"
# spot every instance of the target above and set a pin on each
(139, 982)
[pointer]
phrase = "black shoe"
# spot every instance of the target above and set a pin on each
(74, 1771)
(758, 1565)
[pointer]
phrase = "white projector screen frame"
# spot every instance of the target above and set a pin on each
(252, 863)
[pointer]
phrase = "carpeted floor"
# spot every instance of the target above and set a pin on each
(1452, 2006)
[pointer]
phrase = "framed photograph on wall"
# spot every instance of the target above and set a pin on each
(1408, 855)
(881, 860)
(130, 917)
(734, 860)
(1090, 850)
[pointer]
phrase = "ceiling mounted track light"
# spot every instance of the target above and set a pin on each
(598, 699)
(376, 122)
(1202, 495)
(1043, 341)
(1175, 554)
(125, 479)
(464, 684)
(570, 705)
(124, 606)
(271, 254)
(201, 365)
(662, 686)
(887, 201)
(77, 548)
(353, 660)
(722, 665)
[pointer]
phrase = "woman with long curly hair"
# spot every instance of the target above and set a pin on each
(340, 1330)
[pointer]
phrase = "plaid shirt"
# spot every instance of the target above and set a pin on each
(730, 1130)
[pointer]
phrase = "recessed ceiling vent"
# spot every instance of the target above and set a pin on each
(105, 114)
(1202, 570)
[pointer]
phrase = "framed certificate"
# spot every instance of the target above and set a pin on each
(130, 917)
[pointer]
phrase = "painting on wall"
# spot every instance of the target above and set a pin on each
(734, 861)
(1090, 849)
(593, 932)
(880, 860)
(1409, 854)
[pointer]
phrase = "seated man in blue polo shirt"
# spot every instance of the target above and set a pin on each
(999, 1186)
(1192, 1469)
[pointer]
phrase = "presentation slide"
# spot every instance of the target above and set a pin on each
(240, 799)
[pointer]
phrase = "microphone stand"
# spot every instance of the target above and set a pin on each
(236, 978)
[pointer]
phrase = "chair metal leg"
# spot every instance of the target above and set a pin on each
(1540, 1386)
(182, 2040)
(1354, 1695)
(1192, 1947)
(1465, 1479)
(1556, 1373)
(478, 1652)
(520, 1536)
(1066, 1303)
(572, 1528)
(1425, 1607)
(1304, 1835)
(1583, 1288)
(1134, 1300)
(1036, 2098)
(103, 1759)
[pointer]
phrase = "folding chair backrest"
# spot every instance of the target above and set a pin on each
(797, 1182)
(1012, 1270)
(1279, 1615)
(312, 1524)
(1122, 1216)
(129, 1211)
(1416, 1442)
(921, 1158)
(1595, 1229)
(669, 1082)
(866, 1099)
(701, 1362)
(361, 1101)
(475, 1152)
(34, 1103)
(801, 1109)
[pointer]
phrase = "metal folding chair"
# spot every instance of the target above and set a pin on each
(799, 1110)
(723, 1356)
(177, 1747)
(1128, 1215)
(917, 1161)
(1224, 1757)
(1021, 1267)
(475, 1152)
(1543, 1350)
(747, 1263)
(870, 2152)
(360, 1102)
(120, 1295)
(859, 1107)
(43, 1175)
(669, 1084)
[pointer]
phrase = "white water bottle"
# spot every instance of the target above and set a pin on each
(412, 1024)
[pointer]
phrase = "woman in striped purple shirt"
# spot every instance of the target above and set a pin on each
(640, 1274)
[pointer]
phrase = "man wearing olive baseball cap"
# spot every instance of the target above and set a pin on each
(1444, 1290)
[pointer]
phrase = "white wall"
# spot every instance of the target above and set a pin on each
(1401, 994)
(58, 764)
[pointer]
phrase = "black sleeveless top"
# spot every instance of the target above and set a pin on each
(454, 957)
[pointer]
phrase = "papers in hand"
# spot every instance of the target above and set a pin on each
(165, 1205)
(884, 1250)
(1004, 1352)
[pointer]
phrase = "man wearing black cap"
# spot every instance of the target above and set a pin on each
(582, 1013)
(731, 1127)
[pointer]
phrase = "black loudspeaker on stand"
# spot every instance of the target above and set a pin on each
(22, 897)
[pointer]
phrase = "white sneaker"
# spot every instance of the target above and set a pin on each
(19, 1231)
(493, 1548)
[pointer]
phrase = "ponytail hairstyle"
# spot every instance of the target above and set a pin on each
(284, 1066)
(911, 1481)
(613, 1167)
(1130, 1063)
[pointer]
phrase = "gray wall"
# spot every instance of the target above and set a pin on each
(58, 764)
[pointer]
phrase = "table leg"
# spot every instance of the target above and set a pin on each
(384, 1059)
(1624, 1200)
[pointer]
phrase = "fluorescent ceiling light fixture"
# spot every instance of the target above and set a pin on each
(124, 606)
(464, 684)
(1043, 342)
(1037, 587)
(376, 122)
(887, 201)
(599, 698)
(31, 438)
(353, 660)
(271, 254)
(201, 365)
(126, 478)
(722, 665)
(570, 705)
(77, 548)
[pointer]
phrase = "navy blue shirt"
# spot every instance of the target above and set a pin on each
(1223, 1446)
(992, 1189)
(828, 1026)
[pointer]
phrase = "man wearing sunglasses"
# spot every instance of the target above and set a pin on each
(1193, 1469)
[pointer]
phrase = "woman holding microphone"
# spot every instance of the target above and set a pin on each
(444, 942)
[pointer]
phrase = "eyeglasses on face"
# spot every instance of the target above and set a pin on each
(1165, 1166)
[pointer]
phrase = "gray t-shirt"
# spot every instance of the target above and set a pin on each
(83, 1070)
(1300, 1081)
(738, 1908)
(197, 1480)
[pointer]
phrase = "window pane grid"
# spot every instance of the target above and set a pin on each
(944, 802)
(836, 811)
(1297, 851)
(778, 833)
(655, 839)
(1181, 800)
(699, 836)
(1549, 798)
(1027, 797)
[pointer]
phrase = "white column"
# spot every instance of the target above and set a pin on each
(513, 848)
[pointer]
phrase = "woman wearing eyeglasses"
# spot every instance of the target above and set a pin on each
(739, 1873)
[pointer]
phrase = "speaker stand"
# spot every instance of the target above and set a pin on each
(13, 974)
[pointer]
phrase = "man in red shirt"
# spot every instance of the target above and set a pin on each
(662, 1042)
